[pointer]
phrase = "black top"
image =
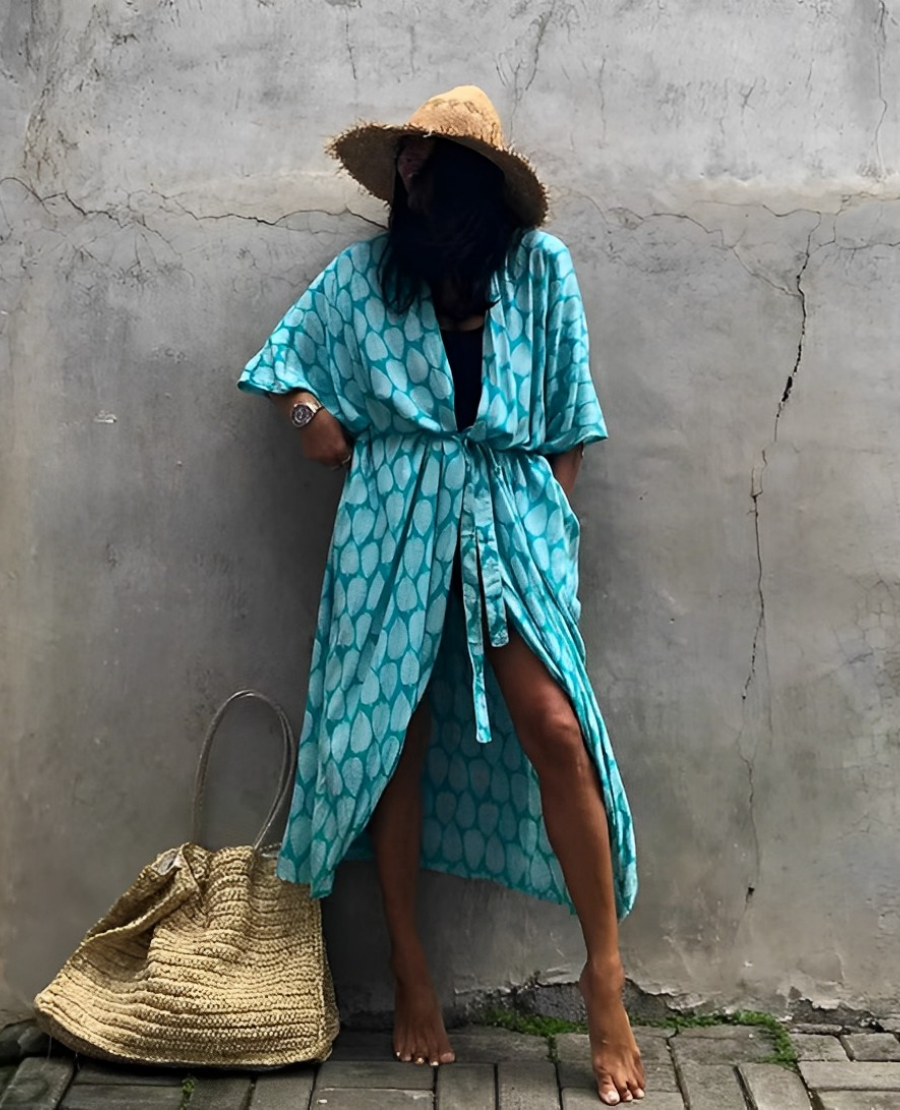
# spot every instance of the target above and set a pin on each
(464, 353)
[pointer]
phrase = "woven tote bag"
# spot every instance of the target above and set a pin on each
(207, 960)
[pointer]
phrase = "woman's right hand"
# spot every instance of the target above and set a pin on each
(325, 441)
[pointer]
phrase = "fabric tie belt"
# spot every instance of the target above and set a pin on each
(480, 565)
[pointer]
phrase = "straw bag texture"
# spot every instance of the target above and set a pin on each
(208, 959)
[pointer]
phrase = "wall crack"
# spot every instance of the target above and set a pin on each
(756, 491)
(759, 632)
(127, 216)
(631, 220)
(751, 812)
(880, 51)
(350, 53)
(213, 216)
(795, 369)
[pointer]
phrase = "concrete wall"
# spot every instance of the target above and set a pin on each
(727, 177)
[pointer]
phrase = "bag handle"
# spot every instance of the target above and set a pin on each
(288, 764)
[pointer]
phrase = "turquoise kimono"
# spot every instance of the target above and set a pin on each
(389, 630)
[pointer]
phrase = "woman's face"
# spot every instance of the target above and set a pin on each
(413, 154)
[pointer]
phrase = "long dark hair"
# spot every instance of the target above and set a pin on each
(458, 243)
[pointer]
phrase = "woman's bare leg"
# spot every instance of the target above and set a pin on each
(396, 830)
(577, 828)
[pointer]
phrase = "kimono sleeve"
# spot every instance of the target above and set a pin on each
(572, 411)
(312, 348)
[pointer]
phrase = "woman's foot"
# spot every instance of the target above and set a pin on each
(615, 1055)
(419, 1033)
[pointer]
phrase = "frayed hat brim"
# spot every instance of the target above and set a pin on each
(368, 151)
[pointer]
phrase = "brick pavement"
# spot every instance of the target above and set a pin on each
(723, 1067)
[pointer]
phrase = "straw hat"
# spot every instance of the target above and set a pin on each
(466, 116)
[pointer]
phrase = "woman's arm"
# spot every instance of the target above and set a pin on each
(324, 439)
(565, 467)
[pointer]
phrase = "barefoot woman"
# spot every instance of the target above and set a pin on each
(450, 721)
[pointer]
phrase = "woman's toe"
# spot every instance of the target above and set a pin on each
(608, 1092)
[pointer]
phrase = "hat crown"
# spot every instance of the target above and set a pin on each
(465, 112)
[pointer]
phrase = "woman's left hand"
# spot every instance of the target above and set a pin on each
(565, 467)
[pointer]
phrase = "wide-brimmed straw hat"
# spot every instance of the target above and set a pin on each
(465, 115)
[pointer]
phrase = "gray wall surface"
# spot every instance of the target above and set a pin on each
(726, 176)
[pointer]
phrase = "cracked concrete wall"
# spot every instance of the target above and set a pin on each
(727, 178)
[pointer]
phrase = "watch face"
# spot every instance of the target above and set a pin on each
(301, 414)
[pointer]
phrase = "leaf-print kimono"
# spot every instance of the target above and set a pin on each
(389, 629)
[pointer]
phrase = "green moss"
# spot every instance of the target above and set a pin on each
(187, 1089)
(783, 1051)
(534, 1024)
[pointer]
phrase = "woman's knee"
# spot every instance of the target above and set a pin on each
(552, 739)
(408, 771)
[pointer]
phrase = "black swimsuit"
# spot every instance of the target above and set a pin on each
(464, 353)
(465, 357)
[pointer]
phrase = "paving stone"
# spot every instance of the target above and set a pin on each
(575, 1048)
(527, 1085)
(658, 1077)
(660, 1100)
(872, 1046)
(818, 1046)
(467, 1087)
(574, 1067)
(360, 1099)
(746, 1044)
(774, 1088)
(483, 1045)
(577, 1075)
(104, 1096)
(890, 1023)
(654, 1050)
(6, 1074)
(823, 1027)
(663, 1031)
(711, 1087)
(231, 1093)
(573, 1053)
(725, 1031)
(574, 1099)
(363, 1046)
(38, 1084)
(376, 1074)
(859, 1100)
(850, 1076)
(124, 1075)
(288, 1090)
(20, 1040)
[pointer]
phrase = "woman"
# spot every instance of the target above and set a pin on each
(446, 365)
